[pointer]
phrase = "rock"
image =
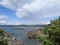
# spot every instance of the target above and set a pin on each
(31, 34)
(15, 43)
(34, 33)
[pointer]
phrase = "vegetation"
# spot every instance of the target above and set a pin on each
(2, 40)
(53, 33)
(1, 32)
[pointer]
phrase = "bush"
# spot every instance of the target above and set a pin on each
(1, 32)
(3, 41)
(53, 32)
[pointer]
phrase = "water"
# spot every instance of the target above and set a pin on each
(21, 34)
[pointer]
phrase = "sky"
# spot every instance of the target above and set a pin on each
(28, 12)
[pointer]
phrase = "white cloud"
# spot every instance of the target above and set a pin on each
(45, 22)
(13, 4)
(21, 13)
(8, 4)
(35, 6)
(13, 23)
(3, 17)
(30, 7)
(35, 9)
(17, 23)
(23, 8)
(2, 21)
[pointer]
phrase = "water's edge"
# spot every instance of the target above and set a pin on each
(21, 34)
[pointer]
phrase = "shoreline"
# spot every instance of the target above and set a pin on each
(11, 39)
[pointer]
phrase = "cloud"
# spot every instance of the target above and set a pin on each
(13, 4)
(24, 8)
(3, 19)
(21, 13)
(3, 22)
(8, 4)
(36, 6)
(17, 23)
(13, 23)
(34, 10)
(48, 22)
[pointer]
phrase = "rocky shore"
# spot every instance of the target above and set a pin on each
(34, 33)
(11, 40)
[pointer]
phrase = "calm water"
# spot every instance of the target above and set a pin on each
(21, 34)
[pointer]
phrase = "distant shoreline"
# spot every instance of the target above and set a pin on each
(22, 25)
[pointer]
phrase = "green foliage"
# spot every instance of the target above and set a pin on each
(53, 32)
(3, 41)
(1, 32)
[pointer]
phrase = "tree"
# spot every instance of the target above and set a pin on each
(53, 32)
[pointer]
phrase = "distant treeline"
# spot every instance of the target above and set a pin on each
(22, 25)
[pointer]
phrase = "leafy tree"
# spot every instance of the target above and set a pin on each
(53, 32)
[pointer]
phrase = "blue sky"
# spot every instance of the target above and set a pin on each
(17, 12)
